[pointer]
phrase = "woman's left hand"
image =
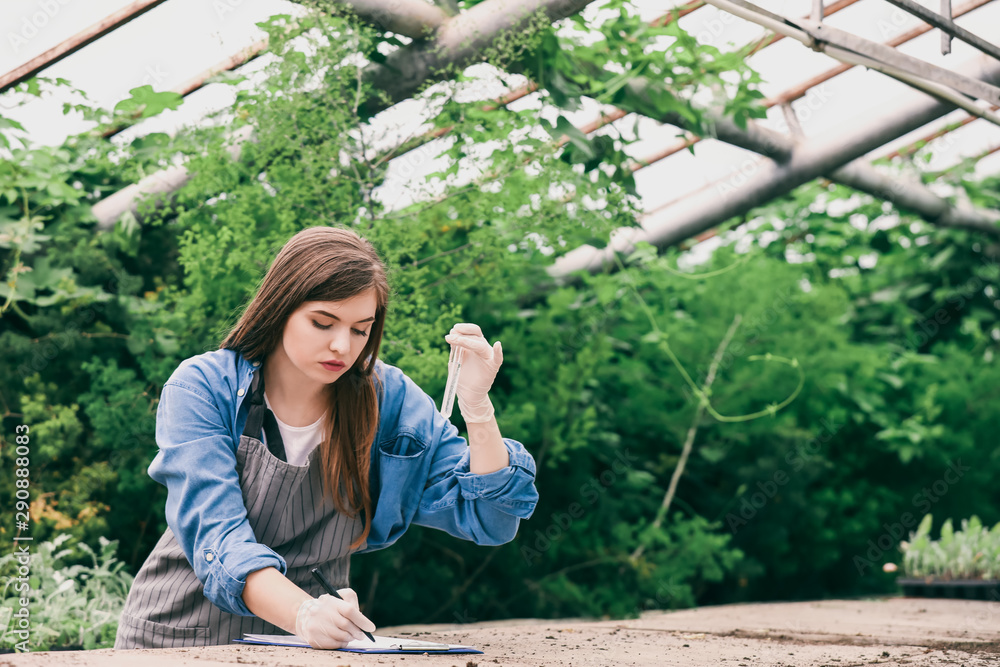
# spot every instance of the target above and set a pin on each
(480, 364)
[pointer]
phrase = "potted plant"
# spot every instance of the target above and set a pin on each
(962, 564)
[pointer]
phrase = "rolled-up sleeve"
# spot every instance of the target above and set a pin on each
(205, 510)
(485, 508)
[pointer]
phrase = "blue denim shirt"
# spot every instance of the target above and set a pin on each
(419, 474)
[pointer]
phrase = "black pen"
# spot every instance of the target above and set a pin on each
(332, 591)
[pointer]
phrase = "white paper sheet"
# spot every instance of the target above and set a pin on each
(379, 643)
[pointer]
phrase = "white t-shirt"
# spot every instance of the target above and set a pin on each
(298, 440)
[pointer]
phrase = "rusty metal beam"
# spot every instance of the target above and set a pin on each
(81, 39)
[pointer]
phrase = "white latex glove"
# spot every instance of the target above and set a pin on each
(480, 364)
(326, 622)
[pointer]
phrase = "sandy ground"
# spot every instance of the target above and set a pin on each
(830, 633)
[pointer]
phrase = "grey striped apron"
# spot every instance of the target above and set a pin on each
(166, 606)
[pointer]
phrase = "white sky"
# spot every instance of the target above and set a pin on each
(181, 38)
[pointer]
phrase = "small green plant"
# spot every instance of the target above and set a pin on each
(71, 606)
(970, 553)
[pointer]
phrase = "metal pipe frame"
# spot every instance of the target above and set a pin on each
(887, 55)
(834, 157)
(199, 81)
(765, 18)
(762, 143)
(914, 146)
(617, 114)
(108, 210)
(412, 18)
(819, 36)
(930, 87)
(800, 90)
(81, 39)
(173, 175)
(945, 37)
(947, 25)
(456, 44)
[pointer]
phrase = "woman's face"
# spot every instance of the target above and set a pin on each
(329, 331)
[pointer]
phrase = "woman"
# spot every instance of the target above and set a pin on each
(250, 475)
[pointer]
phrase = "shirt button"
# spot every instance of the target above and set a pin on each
(209, 557)
(256, 363)
(240, 392)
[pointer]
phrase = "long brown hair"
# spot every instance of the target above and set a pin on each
(327, 264)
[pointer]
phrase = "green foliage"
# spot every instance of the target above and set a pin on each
(71, 605)
(862, 366)
(970, 553)
(145, 102)
(906, 396)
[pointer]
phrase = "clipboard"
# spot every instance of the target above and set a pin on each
(381, 644)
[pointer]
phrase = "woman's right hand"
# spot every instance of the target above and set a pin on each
(326, 622)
